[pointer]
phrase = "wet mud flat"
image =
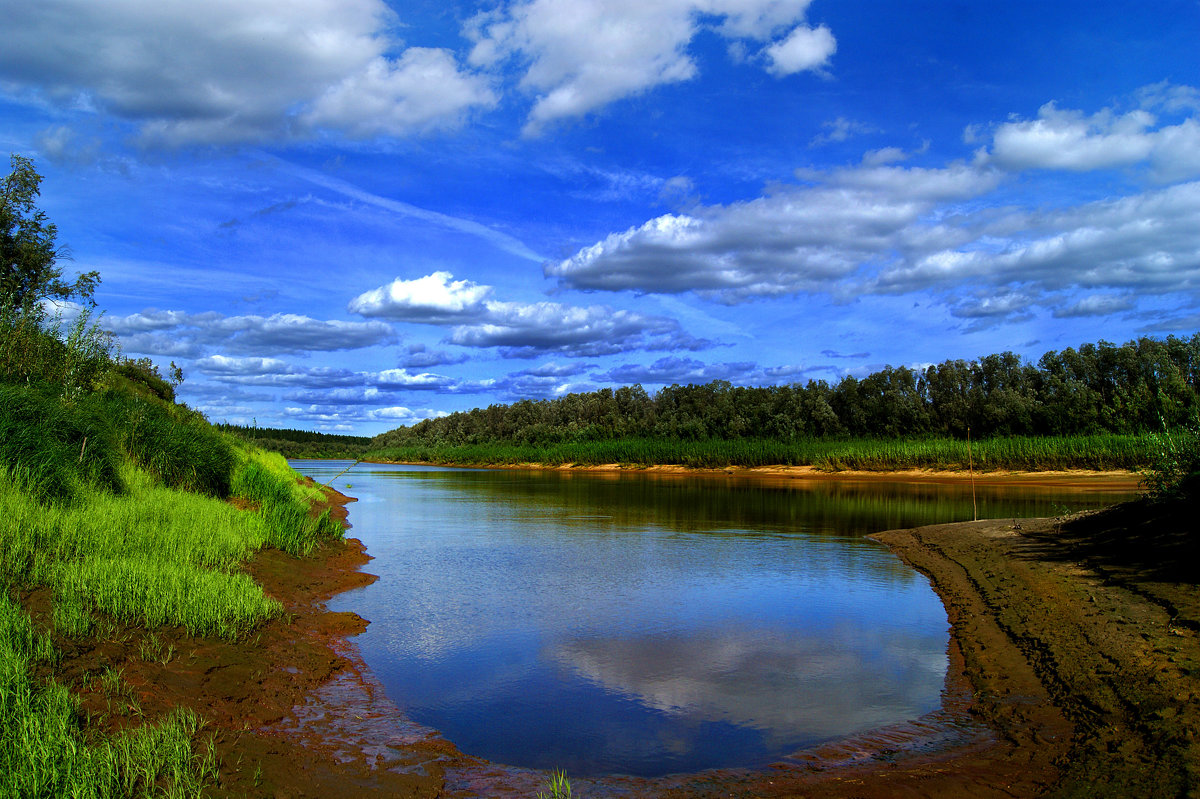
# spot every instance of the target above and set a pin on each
(1074, 671)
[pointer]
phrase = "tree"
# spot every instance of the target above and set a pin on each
(29, 254)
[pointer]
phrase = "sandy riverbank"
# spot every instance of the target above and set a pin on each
(1074, 478)
(1075, 669)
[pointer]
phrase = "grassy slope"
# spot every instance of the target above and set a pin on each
(118, 504)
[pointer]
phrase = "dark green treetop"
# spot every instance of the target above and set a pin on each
(29, 253)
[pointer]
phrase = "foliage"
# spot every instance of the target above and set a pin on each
(44, 752)
(173, 443)
(300, 443)
(29, 254)
(41, 352)
(1174, 464)
(143, 372)
(559, 787)
(1031, 453)
(1099, 388)
(52, 449)
(284, 502)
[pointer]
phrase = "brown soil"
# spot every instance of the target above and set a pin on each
(1074, 671)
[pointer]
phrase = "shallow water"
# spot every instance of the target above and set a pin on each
(641, 624)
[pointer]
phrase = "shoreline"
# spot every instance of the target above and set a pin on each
(1055, 659)
(1112, 479)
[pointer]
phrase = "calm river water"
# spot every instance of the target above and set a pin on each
(643, 624)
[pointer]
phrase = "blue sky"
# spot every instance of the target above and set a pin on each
(347, 215)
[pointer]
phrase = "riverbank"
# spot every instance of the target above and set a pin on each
(1073, 670)
(1111, 479)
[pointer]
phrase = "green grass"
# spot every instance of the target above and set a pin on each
(118, 504)
(53, 449)
(1025, 453)
(265, 479)
(152, 556)
(44, 752)
(557, 787)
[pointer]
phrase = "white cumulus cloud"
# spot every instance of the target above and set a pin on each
(433, 299)
(804, 49)
(579, 55)
(235, 70)
(520, 329)
(1067, 139)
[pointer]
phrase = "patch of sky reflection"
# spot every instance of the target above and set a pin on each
(640, 625)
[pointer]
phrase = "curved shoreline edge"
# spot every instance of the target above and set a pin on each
(1068, 676)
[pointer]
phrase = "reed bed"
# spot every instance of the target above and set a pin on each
(1017, 453)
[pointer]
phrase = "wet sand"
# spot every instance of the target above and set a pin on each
(1074, 670)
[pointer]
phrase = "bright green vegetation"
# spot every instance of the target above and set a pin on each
(130, 509)
(44, 751)
(559, 787)
(123, 531)
(1108, 451)
(300, 443)
(1174, 470)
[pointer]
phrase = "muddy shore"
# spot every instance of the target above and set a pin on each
(1074, 670)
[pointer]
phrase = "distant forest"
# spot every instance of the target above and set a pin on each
(1140, 386)
(300, 443)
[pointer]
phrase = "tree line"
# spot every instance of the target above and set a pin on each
(299, 443)
(1143, 385)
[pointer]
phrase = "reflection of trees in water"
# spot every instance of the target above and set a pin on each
(698, 503)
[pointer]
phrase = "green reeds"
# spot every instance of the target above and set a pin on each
(52, 448)
(284, 502)
(1019, 453)
(151, 557)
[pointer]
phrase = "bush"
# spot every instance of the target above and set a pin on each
(145, 373)
(1175, 461)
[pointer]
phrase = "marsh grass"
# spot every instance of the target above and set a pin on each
(151, 556)
(284, 502)
(558, 787)
(53, 450)
(127, 545)
(173, 443)
(1031, 453)
(45, 752)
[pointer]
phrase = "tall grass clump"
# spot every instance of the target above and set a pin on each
(150, 557)
(53, 448)
(265, 479)
(173, 443)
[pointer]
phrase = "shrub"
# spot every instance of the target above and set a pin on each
(145, 373)
(1174, 461)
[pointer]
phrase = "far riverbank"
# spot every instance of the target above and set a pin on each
(1112, 479)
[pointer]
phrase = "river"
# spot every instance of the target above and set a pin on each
(634, 623)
